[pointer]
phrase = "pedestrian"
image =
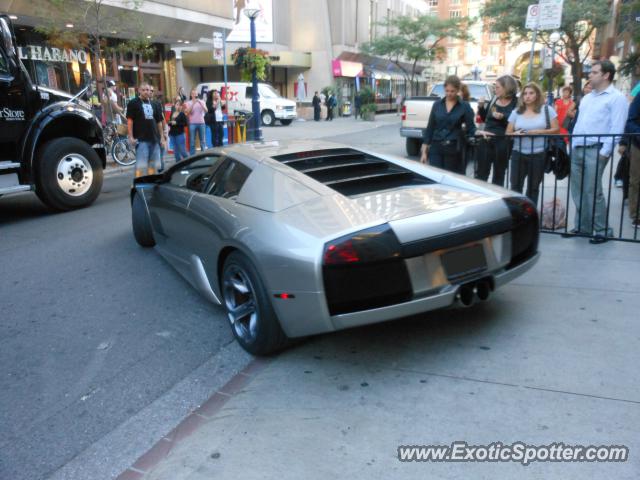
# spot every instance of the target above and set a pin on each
(573, 110)
(494, 148)
(357, 101)
(330, 103)
(113, 110)
(531, 117)
(195, 110)
(96, 105)
(316, 106)
(443, 141)
(399, 99)
(181, 94)
(632, 128)
(562, 106)
(216, 119)
(603, 111)
(157, 104)
(177, 123)
(144, 125)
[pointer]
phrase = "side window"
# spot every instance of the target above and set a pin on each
(229, 180)
(249, 93)
(195, 174)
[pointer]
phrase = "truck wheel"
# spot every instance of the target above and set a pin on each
(286, 122)
(68, 174)
(141, 222)
(413, 146)
(268, 118)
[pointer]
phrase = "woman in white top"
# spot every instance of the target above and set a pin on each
(532, 117)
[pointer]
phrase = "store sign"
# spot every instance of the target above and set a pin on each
(37, 52)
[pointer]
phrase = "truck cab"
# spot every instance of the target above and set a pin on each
(50, 142)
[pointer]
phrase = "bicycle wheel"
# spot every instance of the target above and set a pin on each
(123, 153)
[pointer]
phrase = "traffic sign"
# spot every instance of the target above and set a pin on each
(532, 17)
(218, 46)
(545, 15)
(550, 16)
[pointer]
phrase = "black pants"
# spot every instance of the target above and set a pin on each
(492, 151)
(329, 113)
(523, 166)
(316, 113)
(448, 157)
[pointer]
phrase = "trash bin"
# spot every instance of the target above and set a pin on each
(346, 109)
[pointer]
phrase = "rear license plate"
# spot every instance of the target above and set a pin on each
(464, 261)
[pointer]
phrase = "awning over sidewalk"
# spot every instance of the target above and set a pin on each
(345, 68)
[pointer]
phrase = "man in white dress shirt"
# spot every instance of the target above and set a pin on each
(603, 111)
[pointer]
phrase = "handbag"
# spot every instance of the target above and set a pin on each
(556, 156)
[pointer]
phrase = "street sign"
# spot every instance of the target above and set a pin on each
(550, 15)
(218, 45)
(547, 59)
(532, 17)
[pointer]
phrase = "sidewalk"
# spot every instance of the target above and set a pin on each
(551, 357)
(307, 129)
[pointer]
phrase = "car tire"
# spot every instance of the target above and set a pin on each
(286, 122)
(141, 223)
(268, 118)
(68, 174)
(413, 146)
(254, 322)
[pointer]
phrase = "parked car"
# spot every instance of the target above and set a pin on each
(239, 94)
(416, 111)
(305, 237)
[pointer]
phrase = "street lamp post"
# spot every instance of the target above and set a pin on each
(553, 38)
(255, 132)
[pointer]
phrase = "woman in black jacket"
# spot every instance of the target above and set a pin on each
(177, 123)
(495, 148)
(444, 139)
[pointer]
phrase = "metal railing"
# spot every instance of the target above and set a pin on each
(574, 187)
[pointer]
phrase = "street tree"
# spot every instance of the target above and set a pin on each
(630, 24)
(414, 40)
(88, 22)
(580, 20)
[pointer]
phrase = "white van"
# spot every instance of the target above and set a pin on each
(272, 106)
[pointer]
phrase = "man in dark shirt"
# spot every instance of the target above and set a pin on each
(633, 127)
(444, 137)
(144, 123)
(316, 106)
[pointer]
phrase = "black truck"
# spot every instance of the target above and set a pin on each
(50, 142)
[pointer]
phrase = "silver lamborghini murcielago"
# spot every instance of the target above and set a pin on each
(298, 238)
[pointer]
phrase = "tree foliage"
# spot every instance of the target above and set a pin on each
(92, 21)
(580, 20)
(630, 23)
(416, 39)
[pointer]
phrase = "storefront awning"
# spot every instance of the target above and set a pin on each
(204, 58)
(344, 68)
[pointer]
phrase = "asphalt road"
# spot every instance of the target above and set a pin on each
(103, 346)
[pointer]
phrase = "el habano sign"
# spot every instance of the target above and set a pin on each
(47, 54)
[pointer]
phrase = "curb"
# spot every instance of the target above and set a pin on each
(196, 419)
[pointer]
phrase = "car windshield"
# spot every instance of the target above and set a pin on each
(267, 91)
(475, 90)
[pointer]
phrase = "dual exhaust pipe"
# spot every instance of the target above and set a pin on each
(469, 292)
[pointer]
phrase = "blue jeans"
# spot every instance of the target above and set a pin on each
(147, 157)
(587, 167)
(179, 146)
(529, 165)
(198, 128)
(217, 133)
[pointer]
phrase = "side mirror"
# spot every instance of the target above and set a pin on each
(7, 37)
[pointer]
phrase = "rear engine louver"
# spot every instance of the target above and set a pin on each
(351, 172)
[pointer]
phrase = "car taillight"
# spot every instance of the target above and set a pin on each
(404, 113)
(365, 270)
(370, 245)
(524, 230)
